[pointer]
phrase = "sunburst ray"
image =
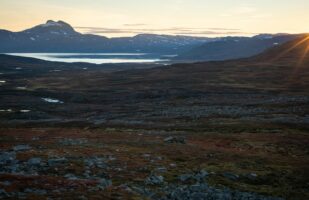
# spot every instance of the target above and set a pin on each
(291, 48)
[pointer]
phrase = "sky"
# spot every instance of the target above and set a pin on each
(118, 18)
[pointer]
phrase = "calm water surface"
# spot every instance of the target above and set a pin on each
(98, 58)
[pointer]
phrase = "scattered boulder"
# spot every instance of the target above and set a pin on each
(173, 165)
(201, 175)
(7, 157)
(35, 191)
(34, 161)
(13, 167)
(231, 176)
(161, 170)
(104, 183)
(175, 139)
(57, 161)
(196, 177)
(70, 177)
(4, 194)
(23, 147)
(253, 175)
(6, 183)
(73, 142)
(95, 162)
(154, 180)
(143, 191)
(82, 198)
(185, 177)
(204, 191)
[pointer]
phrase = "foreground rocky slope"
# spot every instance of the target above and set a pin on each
(123, 163)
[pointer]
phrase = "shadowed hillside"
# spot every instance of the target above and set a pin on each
(294, 52)
(235, 47)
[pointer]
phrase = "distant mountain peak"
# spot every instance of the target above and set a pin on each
(51, 23)
(53, 27)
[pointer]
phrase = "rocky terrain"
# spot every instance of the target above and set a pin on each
(112, 163)
(216, 130)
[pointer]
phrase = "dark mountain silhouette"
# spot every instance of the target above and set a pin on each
(61, 37)
(234, 47)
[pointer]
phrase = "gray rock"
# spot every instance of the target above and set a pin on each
(35, 191)
(4, 194)
(185, 177)
(82, 198)
(198, 196)
(6, 183)
(231, 176)
(34, 161)
(161, 170)
(175, 139)
(57, 161)
(104, 183)
(23, 147)
(13, 168)
(95, 162)
(70, 177)
(73, 142)
(143, 191)
(251, 176)
(21, 195)
(87, 173)
(205, 192)
(7, 157)
(154, 180)
(200, 176)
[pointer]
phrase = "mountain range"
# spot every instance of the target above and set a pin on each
(60, 37)
(234, 47)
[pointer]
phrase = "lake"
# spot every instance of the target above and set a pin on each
(99, 58)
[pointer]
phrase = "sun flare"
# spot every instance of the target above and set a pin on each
(304, 53)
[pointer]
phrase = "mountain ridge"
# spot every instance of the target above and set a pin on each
(61, 37)
(235, 47)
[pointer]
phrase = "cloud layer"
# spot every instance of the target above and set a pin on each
(133, 29)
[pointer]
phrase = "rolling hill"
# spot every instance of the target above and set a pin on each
(234, 47)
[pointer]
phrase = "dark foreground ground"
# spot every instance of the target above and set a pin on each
(218, 130)
(70, 163)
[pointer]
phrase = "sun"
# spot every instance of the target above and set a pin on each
(304, 53)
